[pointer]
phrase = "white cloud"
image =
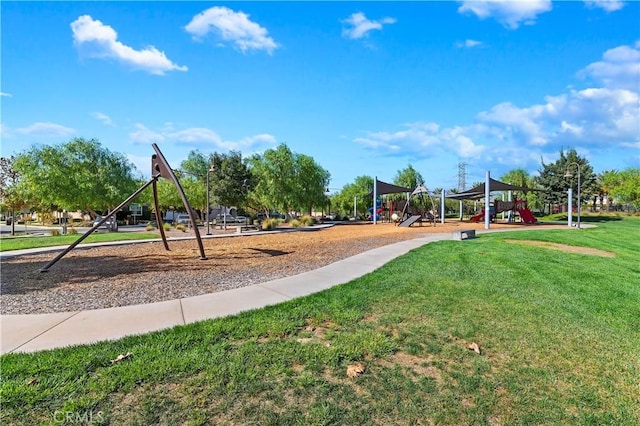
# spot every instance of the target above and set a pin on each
(468, 43)
(619, 68)
(197, 137)
(607, 5)
(46, 129)
(595, 116)
(4, 94)
(98, 40)
(358, 26)
(143, 164)
(423, 139)
(234, 27)
(510, 13)
(103, 117)
(144, 135)
(4, 131)
(594, 120)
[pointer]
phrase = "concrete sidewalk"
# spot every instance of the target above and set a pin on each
(30, 333)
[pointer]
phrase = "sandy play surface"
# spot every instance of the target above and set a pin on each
(145, 272)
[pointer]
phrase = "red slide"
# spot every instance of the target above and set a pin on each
(478, 217)
(527, 216)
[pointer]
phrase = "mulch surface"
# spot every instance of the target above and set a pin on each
(145, 272)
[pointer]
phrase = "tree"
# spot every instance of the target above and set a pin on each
(230, 178)
(311, 181)
(285, 181)
(359, 189)
(79, 174)
(552, 178)
(623, 186)
(408, 177)
(9, 191)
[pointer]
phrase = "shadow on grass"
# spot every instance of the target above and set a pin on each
(592, 219)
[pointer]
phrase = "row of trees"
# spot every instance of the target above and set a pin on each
(83, 175)
(621, 186)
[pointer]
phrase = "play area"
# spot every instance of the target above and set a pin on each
(407, 207)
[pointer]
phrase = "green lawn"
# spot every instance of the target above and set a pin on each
(19, 243)
(559, 333)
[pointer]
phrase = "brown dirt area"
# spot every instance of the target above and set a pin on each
(144, 272)
(563, 247)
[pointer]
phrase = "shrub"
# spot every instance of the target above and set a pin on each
(182, 228)
(149, 227)
(55, 232)
(295, 223)
(307, 220)
(269, 224)
(166, 226)
(72, 231)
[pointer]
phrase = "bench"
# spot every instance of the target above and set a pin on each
(243, 228)
(464, 234)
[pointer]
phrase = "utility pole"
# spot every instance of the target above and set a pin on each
(462, 176)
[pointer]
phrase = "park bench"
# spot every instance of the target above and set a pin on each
(464, 234)
(243, 228)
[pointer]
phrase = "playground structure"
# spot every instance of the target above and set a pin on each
(519, 206)
(159, 168)
(413, 213)
(403, 212)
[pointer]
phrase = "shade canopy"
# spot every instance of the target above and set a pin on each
(383, 188)
(494, 185)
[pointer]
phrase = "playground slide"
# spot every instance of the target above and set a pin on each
(410, 221)
(527, 216)
(478, 217)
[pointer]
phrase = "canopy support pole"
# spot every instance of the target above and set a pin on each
(487, 201)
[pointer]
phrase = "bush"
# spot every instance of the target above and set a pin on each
(72, 231)
(295, 223)
(307, 220)
(182, 228)
(166, 226)
(55, 232)
(149, 227)
(269, 224)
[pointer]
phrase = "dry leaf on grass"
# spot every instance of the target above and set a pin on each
(122, 358)
(355, 370)
(474, 347)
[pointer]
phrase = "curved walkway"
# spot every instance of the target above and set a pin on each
(30, 333)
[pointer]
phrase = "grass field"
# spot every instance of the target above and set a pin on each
(19, 243)
(559, 335)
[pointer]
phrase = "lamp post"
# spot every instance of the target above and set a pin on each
(568, 175)
(211, 169)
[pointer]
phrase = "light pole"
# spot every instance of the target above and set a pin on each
(211, 169)
(568, 175)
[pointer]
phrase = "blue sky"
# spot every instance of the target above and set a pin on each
(365, 88)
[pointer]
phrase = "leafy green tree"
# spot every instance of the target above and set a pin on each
(623, 186)
(79, 174)
(230, 179)
(408, 177)
(311, 181)
(359, 189)
(286, 181)
(552, 178)
(10, 194)
(274, 179)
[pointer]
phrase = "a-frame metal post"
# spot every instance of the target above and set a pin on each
(159, 168)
